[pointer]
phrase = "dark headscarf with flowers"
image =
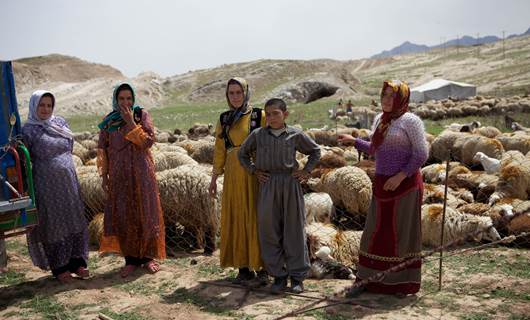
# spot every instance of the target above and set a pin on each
(400, 105)
(236, 112)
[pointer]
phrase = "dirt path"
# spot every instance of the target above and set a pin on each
(495, 285)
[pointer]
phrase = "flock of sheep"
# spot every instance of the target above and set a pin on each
(488, 195)
(441, 109)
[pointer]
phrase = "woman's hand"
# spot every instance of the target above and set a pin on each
(212, 189)
(346, 139)
(301, 175)
(394, 182)
(127, 115)
(105, 183)
(261, 175)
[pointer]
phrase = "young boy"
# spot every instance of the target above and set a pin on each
(281, 216)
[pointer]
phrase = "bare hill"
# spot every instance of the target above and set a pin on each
(79, 86)
(83, 87)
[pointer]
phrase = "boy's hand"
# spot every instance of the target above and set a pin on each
(261, 175)
(301, 175)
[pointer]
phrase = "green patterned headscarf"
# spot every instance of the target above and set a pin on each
(113, 121)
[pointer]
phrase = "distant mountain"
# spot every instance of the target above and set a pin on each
(408, 47)
(466, 41)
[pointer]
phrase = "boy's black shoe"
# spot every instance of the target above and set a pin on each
(243, 276)
(279, 285)
(297, 286)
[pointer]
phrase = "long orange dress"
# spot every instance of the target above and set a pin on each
(133, 224)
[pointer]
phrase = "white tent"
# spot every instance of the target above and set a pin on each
(439, 89)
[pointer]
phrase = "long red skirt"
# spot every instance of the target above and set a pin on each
(392, 234)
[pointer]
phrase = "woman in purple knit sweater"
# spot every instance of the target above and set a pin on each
(392, 233)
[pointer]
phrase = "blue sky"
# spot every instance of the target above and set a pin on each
(173, 37)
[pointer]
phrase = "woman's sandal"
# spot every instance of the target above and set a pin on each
(82, 273)
(65, 277)
(127, 270)
(152, 267)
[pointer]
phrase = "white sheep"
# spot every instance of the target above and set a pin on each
(203, 152)
(92, 193)
(185, 200)
(77, 161)
(344, 245)
(519, 140)
(169, 160)
(318, 207)
(465, 148)
(80, 151)
(349, 187)
(435, 173)
(443, 143)
(489, 132)
(490, 165)
(95, 229)
(166, 147)
(323, 137)
(435, 194)
(457, 226)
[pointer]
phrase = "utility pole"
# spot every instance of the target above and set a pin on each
(457, 43)
(503, 52)
(478, 50)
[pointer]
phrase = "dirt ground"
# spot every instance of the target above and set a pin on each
(490, 284)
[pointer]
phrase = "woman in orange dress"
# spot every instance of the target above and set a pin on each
(134, 225)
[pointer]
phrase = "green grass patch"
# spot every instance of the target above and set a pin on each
(183, 116)
(11, 277)
(210, 305)
(122, 316)
(510, 295)
(137, 287)
(476, 316)
(210, 269)
(17, 246)
(47, 308)
(323, 315)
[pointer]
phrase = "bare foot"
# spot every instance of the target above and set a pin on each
(127, 270)
(152, 266)
(3, 270)
(65, 277)
(82, 273)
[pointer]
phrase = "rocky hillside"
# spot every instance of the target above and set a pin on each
(83, 87)
(79, 86)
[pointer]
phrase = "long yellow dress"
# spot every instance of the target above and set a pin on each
(239, 230)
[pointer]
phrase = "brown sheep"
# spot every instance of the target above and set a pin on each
(514, 179)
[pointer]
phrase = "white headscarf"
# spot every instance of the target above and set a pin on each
(48, 124)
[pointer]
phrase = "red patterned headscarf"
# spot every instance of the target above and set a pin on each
(400, 105)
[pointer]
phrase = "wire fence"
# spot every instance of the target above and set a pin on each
(496, 195)
(477, 186)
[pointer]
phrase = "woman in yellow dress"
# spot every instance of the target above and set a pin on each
(239, 233)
